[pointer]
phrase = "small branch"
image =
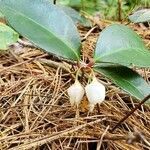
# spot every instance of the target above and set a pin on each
(130, 113)
(88, 33)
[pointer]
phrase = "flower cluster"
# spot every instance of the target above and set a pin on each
(95, 92)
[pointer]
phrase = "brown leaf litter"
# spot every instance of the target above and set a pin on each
(35, 112)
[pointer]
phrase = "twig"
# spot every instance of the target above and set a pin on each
(88, 33)
(101, 139)
(130, 113)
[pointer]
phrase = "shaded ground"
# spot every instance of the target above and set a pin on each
(35, 112)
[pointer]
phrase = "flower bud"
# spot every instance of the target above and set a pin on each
(95, 92)
(76, 93)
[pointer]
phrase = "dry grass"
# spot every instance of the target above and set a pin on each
(35, 112)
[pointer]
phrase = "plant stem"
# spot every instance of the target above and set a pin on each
(119, 10)
(54, 2)
(130, 113)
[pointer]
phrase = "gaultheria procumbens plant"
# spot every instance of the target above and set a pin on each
(118, 48)
(142, 15)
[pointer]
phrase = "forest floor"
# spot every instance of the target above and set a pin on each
(35, 112)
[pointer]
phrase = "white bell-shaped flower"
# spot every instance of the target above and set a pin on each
(76, 93)
(95, 92)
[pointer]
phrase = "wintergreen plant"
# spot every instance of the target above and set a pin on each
(118, 47)
(142, 15)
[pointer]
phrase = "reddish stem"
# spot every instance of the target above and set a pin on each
(91, 63)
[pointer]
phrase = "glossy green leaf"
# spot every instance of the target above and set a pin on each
(72, 13)
(45, 25)
(119, 44)
(140, 16)
(75, 16)
(7, 36)
(127, 79)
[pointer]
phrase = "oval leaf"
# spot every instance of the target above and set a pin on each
(119, 44)
(140, 16)
(7, 36)
(75, 16)
(127, 79)
(45, 25)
